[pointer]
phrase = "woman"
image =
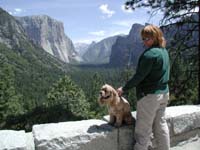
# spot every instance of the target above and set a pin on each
(151, 82)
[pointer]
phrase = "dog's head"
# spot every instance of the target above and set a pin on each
(107, 95)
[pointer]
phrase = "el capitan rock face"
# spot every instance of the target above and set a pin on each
(49, 34)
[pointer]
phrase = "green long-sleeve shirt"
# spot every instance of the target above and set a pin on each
(152, 73)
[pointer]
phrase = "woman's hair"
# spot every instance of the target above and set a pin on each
(154, 32)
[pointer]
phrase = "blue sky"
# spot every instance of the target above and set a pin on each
(84, 20)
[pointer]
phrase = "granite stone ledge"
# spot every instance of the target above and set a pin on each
(183, 122)
(182, 119)
(83, 135)
(16, 140)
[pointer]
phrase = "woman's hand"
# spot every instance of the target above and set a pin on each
(120, 91)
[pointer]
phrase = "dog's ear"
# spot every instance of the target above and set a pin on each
(100, 101)
(114, 92)
(116, 98)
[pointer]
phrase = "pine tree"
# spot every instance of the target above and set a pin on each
(69, 96)
(96, 84)
(126, 75)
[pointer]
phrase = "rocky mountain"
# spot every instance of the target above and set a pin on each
(49, 34)
(126, 50)
(99, 53)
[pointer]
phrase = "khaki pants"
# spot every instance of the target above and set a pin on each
(151, 118)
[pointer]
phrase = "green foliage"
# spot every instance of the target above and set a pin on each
(126, 75)
(183, 82)
(27, 74)
(92, 96)
(174, 10)
(69, 96)
(11, 104)
(34, 73)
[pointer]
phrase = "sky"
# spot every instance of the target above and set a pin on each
(84, 20)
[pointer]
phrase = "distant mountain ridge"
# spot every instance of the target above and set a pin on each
(49, 34)
(116, 51)
(99, 53)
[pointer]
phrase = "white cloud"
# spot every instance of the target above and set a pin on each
(120, 32)
(126, 10)
(104, 9)
(98, 33)
(196, 9)
(10, 13)
(16, 11)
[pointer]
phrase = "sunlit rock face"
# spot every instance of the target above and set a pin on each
(49, 34)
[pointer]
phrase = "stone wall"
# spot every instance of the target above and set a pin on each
(183, 122)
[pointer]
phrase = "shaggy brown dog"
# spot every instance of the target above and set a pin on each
(118, 107)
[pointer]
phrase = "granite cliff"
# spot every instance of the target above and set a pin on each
(49, 34)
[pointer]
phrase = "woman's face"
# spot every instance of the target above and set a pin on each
(148, 41)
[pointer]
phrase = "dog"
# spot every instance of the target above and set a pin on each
(118, 107)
